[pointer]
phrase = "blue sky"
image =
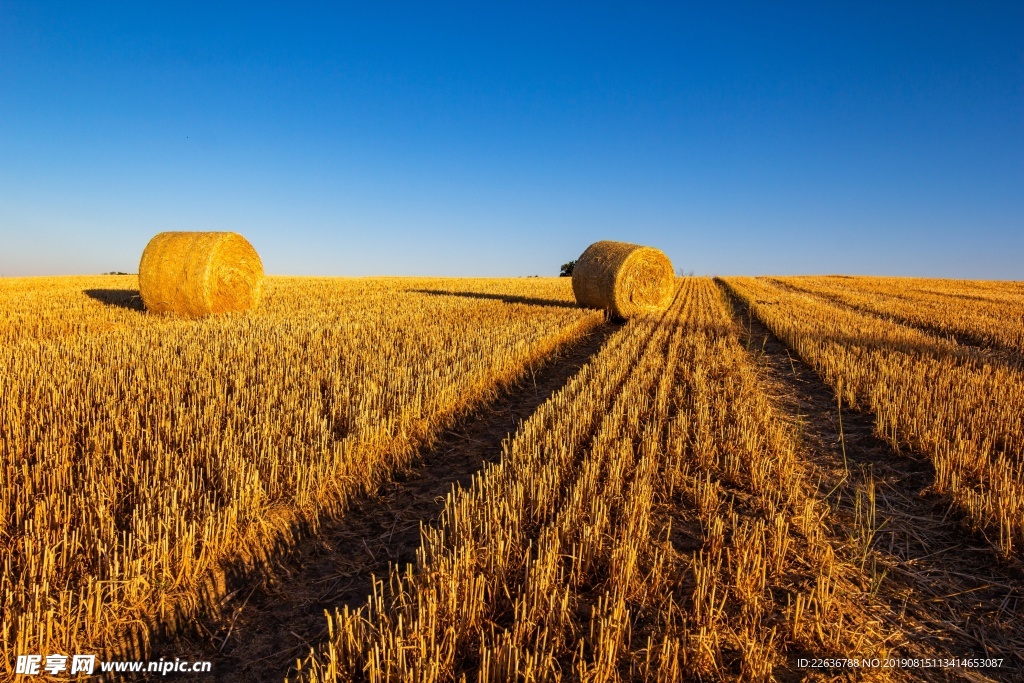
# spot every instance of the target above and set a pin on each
(464, 139)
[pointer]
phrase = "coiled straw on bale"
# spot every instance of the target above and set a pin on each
(622, 278)
(197, 273)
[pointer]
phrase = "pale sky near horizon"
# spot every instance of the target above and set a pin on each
(464, 139)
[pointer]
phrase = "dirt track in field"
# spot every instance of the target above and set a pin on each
(975, 346)
(273, 616)
(944, 590)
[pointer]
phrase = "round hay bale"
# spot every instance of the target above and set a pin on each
(198, 273)
(624, 279)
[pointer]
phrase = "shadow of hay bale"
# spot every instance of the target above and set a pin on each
(122, 298)
(507, 298)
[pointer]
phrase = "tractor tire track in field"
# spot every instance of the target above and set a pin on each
(973, 345)
(947, 592)
(276, 614)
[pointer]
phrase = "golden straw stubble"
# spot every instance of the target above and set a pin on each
(199, 273)
(622, 278)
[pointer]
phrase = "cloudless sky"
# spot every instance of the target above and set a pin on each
(469, 139)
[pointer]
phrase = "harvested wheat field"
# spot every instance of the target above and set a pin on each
(411, 479)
